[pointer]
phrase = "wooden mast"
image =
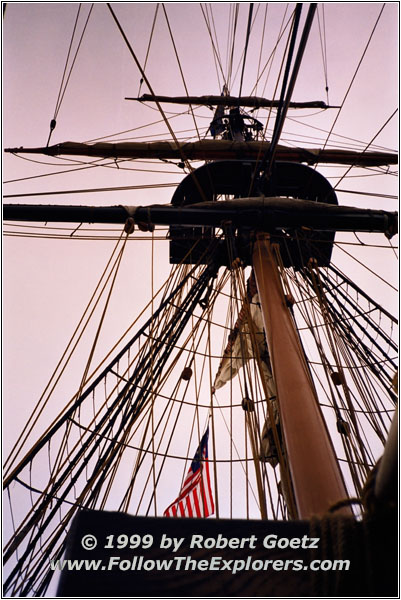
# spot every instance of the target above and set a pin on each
(315, 473)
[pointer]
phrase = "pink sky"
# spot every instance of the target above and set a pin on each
(47, 282)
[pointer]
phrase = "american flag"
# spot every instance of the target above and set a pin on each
(195, 498)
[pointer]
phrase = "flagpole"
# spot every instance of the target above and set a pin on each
(315, 473)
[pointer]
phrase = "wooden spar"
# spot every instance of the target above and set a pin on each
(316, 476)
(212, 150)
(266, 214)
(212, 100)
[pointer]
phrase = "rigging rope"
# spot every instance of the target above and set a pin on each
(53, 122)
(280, 114)
(94, 190)
(323, 47)
(150, 41)
(248, 31)
(149, 85)
(261, 49)
(54, 379)
(77, 401)
(181, 71)
(369, 395)
(81, 458)
(367, 146)
(288, 89)
(62, 93)
(368, 269)
(354, 76)
(272, 54)
(216, 51)
(230, 55)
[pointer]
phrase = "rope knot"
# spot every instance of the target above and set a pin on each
(129, 226)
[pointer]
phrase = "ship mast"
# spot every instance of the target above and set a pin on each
(315, 473)
(254, 204)
(316, 477)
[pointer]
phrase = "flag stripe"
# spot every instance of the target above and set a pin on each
(195, 497)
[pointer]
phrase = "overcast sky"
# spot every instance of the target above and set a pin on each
(48, 282)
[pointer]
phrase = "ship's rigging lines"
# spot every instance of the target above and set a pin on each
(357, 145)
(107, 450)
(125, 443)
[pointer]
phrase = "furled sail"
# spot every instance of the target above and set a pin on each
(247, 341)
(212, 150)
(226, 100)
